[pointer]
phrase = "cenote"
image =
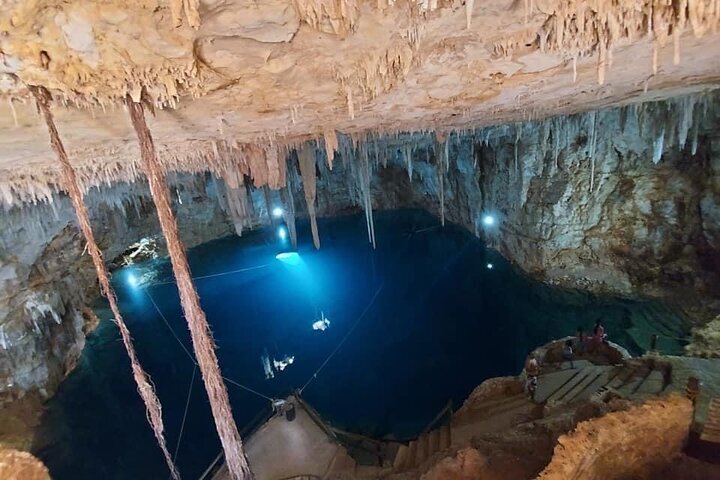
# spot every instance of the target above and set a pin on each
(417, 322)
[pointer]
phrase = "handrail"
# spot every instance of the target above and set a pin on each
(248, 430)
(447, 408)
(315, 416)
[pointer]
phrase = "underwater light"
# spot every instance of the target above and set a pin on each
(277, 212)
(291, 258)
(132, 279)
(488, 220)
(282, 233)
(490, 266)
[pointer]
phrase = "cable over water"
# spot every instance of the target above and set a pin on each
(230, 272)
(190, 356)
(347, 335)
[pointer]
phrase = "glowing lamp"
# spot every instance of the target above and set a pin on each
(488, 220)
(290, 258)
(132, 279)
(490, 266)
(277, 212)
(282, 233)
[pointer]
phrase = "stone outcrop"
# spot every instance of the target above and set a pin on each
(629, 444)
(47, 283)
(15, 465)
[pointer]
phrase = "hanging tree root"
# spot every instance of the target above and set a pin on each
(144, 386)
(203, 344)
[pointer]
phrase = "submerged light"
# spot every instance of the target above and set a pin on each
(277, 212)
(132, 279)
(490, 266)
(291, 258)
(282, 233)
(488, 220)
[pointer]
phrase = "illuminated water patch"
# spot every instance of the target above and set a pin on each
(291, 258)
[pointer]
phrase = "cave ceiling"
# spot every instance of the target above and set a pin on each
(268, 74)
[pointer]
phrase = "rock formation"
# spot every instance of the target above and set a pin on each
(587, 130)
(627, 225)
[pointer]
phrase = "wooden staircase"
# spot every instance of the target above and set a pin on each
(419, 450)
(711, 429)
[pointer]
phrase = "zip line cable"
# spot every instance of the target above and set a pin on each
(187, 406)
(347, 335)
(230, 272)
(190, 356)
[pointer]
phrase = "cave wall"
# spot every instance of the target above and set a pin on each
(628, 444)
(47, 281)
(624, 200)
(629, 206)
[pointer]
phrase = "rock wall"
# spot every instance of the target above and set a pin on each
(628, 444)
(46, 280)
(622, 200)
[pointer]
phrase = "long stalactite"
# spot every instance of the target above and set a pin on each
(145, 388)
(203, 344)
(306, 157)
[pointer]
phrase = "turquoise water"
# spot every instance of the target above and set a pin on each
(434, 323)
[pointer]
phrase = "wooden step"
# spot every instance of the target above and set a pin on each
(570, 385)
(600, 381)
(583, 388)
(622, 377)
(445, 437)
(711, 429)
(342, 463)
(422, 450)
(412, 453)
(433, 441)
(401, 458)
(652, 385)
(632, 384)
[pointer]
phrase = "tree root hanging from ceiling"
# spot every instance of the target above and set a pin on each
(145, 388)
(203, 344)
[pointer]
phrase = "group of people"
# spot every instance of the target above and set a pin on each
(577, 345)
(583, 343)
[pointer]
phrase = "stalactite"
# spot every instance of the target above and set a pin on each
(306, 158)
(407, 153)
(363, 180)
(469, 4)
(658, 144)
(440, 148)
(145, 388)
(203, 344)
(289, 211)
(592, 151)
(331, 145)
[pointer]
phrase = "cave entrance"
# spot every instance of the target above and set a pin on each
(417, 322)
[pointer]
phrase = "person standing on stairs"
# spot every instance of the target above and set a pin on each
(580, 341)
(567, 353)
(599, 335)
(532, 370)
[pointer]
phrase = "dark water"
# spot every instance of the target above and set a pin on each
(441, 323)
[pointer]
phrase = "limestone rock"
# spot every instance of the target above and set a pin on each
(467, 464)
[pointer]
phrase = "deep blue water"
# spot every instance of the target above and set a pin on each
(441, 323)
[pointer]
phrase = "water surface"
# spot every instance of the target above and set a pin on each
(428, 321)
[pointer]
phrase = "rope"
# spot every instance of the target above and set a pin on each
(347, 335)
(247, 388)
(167, 324)
(231, 272)
(192, 359)
(203, 345)
(153, 408)
(187, 406)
